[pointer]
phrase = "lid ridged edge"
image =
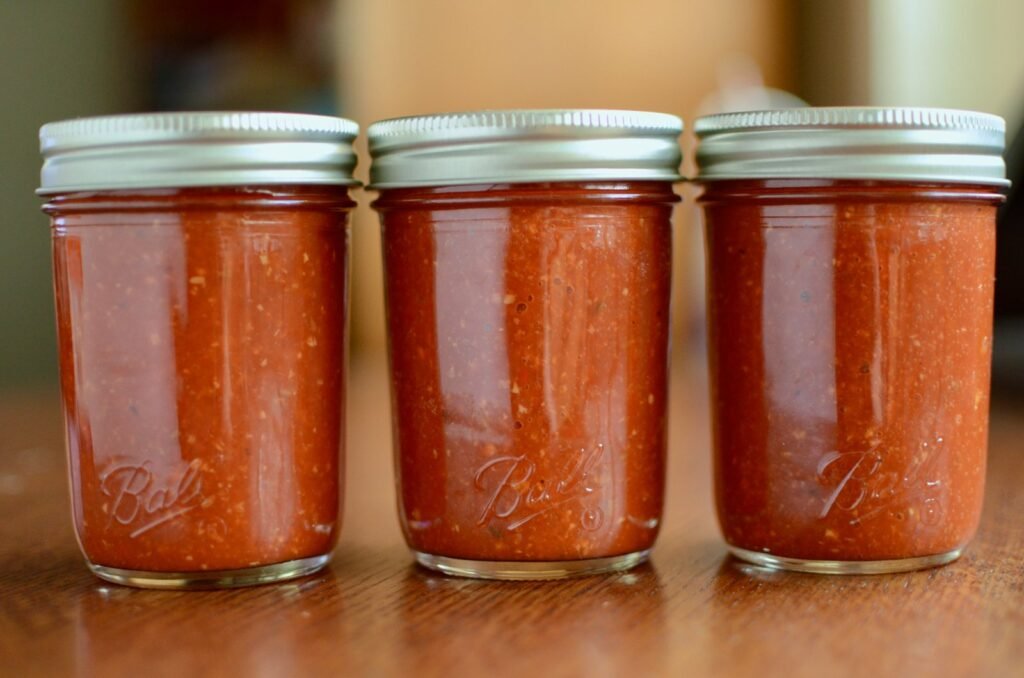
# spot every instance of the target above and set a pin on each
(520, 119)
(851, 117)
(156, 125)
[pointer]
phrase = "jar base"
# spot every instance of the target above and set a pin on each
(845, 566)
(527, 570)
(213, 579)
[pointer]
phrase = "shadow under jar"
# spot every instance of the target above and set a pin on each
(850, 263)
(527, 263)
(200, 268)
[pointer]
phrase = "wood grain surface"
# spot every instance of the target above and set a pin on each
(691, 611)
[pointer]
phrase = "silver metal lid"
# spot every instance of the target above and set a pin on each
(903, 144)
(161, 150)
(519, 146)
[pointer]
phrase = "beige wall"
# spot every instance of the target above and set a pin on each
(402, 57)
(833, 65)
(946, 53)
(952, 53)
(58, 59)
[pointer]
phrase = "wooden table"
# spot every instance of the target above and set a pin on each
(692, 611)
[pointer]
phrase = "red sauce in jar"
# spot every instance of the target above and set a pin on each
(202, 337)
(528, 336)
(850, 328)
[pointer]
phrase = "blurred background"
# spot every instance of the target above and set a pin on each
(383, 58)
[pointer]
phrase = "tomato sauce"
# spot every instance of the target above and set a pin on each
(528, 331)
(850, 333)
(202, 337)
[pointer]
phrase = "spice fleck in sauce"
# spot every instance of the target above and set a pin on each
(850, 328)
(528, 335)
(202, 347)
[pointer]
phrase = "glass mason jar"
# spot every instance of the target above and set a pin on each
(850, 263)
(200, 274)
(527, 264)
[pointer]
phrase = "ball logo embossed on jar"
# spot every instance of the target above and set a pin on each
(861, 486)
(514, 490)
(144, 499)
(854, 470)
